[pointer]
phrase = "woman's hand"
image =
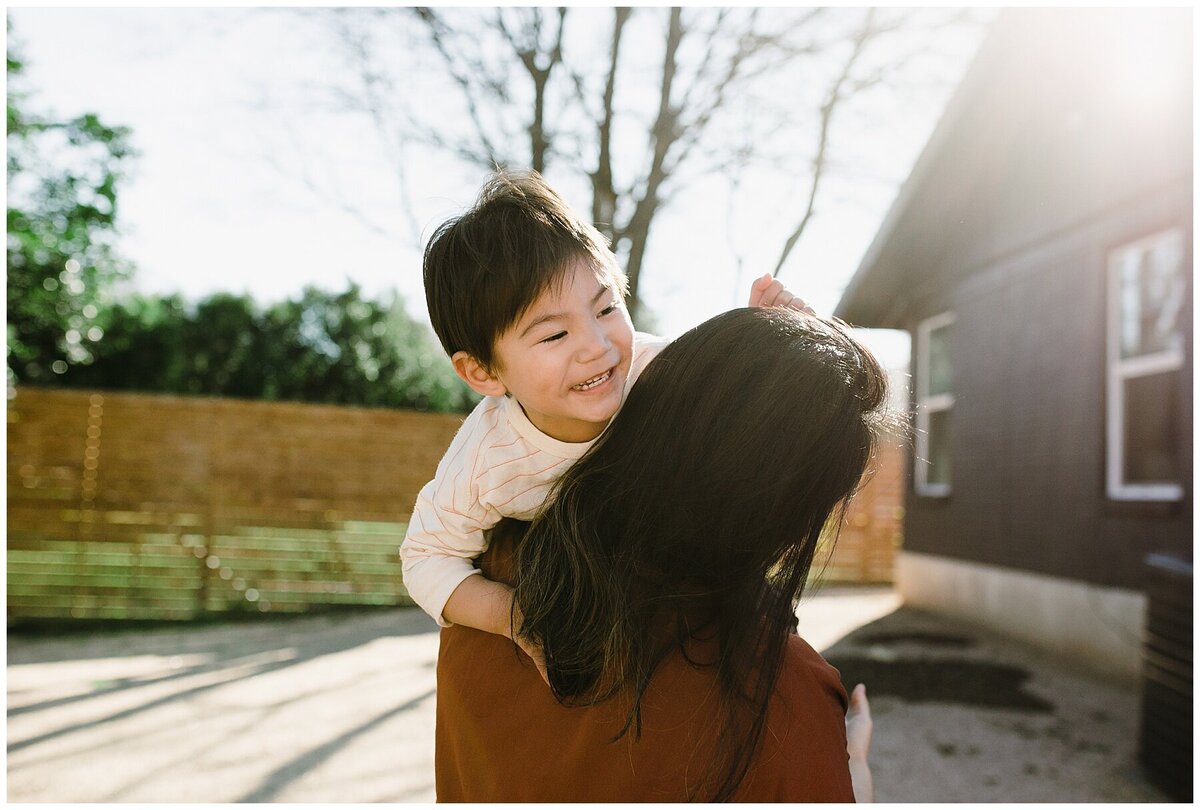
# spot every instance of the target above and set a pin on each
(858, 744)
(858, 724)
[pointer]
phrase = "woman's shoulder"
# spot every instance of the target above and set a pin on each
(806, 723)
(805, 669)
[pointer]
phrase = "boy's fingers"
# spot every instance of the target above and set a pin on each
(757, 288)
(800, 305)
(768, 291)
(772, 294)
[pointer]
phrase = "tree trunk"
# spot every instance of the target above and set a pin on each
(665, 133)
(604, 195)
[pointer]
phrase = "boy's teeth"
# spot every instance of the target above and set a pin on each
(593, 382)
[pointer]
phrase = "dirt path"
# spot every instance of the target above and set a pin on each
(341, 709)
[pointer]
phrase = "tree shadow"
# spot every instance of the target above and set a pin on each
(265, 711)
(231, 649)
(259, 717)
(289, 772)
(225, 645)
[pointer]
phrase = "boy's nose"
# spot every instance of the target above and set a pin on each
(597, 343)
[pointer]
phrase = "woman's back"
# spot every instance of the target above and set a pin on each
(502, 736)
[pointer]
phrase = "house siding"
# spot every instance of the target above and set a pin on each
(1028, 438)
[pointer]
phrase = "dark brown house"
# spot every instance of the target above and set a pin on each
(1040, 255)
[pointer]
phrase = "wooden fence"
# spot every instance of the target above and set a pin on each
(865, 551)
(145, 506)
(149, 506)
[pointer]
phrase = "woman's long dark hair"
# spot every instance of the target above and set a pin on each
(698, 511)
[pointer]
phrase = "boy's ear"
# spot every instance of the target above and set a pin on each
(475, 375)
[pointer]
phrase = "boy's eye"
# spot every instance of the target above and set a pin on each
(608, 309)
(554, 337)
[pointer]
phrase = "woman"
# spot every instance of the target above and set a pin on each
(662, 583)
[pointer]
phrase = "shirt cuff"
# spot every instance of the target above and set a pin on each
(440, 593)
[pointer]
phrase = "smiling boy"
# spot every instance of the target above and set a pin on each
(566, 360)
(528, 301)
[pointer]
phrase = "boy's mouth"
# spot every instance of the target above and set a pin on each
(594, 382)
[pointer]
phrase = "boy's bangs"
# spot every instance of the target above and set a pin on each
(551, 278)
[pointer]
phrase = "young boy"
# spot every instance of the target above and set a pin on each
(528, 301)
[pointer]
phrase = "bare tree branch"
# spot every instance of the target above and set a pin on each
(832, 100)
(437, 33)
(717, 96)
(377, 87)
(663, 135)
(715, 107)
(604, 195)
(538, 63)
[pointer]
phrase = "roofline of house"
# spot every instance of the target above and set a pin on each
(979, 70)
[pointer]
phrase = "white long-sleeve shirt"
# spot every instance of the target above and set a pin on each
(498, 465)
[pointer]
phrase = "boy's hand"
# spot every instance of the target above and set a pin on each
(528, 647)
(768, 291)
(535, 652)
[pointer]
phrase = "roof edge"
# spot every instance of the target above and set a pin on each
(977, 72)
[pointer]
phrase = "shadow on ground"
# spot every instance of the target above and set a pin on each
(896, 662)
(219, 647)
(278, 710)
(341, 709)
(962, 714)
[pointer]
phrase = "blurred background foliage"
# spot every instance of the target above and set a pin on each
(73, 320)
(63, 177)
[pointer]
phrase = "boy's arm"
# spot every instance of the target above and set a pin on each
(768, 291)
(488, 606)
(433, 565)
(446, 530)
(445, 534)
(482, 604)
(436, 554)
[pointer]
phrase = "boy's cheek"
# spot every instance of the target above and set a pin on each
(626, 329)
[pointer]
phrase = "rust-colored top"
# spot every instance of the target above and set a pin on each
(502, 737)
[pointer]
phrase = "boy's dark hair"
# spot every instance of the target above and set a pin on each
(484, 269)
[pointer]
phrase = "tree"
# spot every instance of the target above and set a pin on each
(67, 326)
(321, 347)
(636, 103)
(338, 347)
(63, 177)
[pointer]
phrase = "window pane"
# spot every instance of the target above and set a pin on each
(1151, 289)
(938, 471)
(939, 361)
(1152, 429)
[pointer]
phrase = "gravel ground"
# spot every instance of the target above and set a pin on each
(341, 709)
(963, 715)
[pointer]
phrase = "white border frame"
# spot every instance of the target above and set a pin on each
(926, 405)
(1118, 370)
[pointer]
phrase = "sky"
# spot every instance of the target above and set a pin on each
(221, 105)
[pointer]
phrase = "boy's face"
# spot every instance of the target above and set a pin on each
(567, 358)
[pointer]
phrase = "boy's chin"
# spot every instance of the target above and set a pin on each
(597, 416)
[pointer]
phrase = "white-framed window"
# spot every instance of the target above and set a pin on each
(935, 404)
(1146, 283)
